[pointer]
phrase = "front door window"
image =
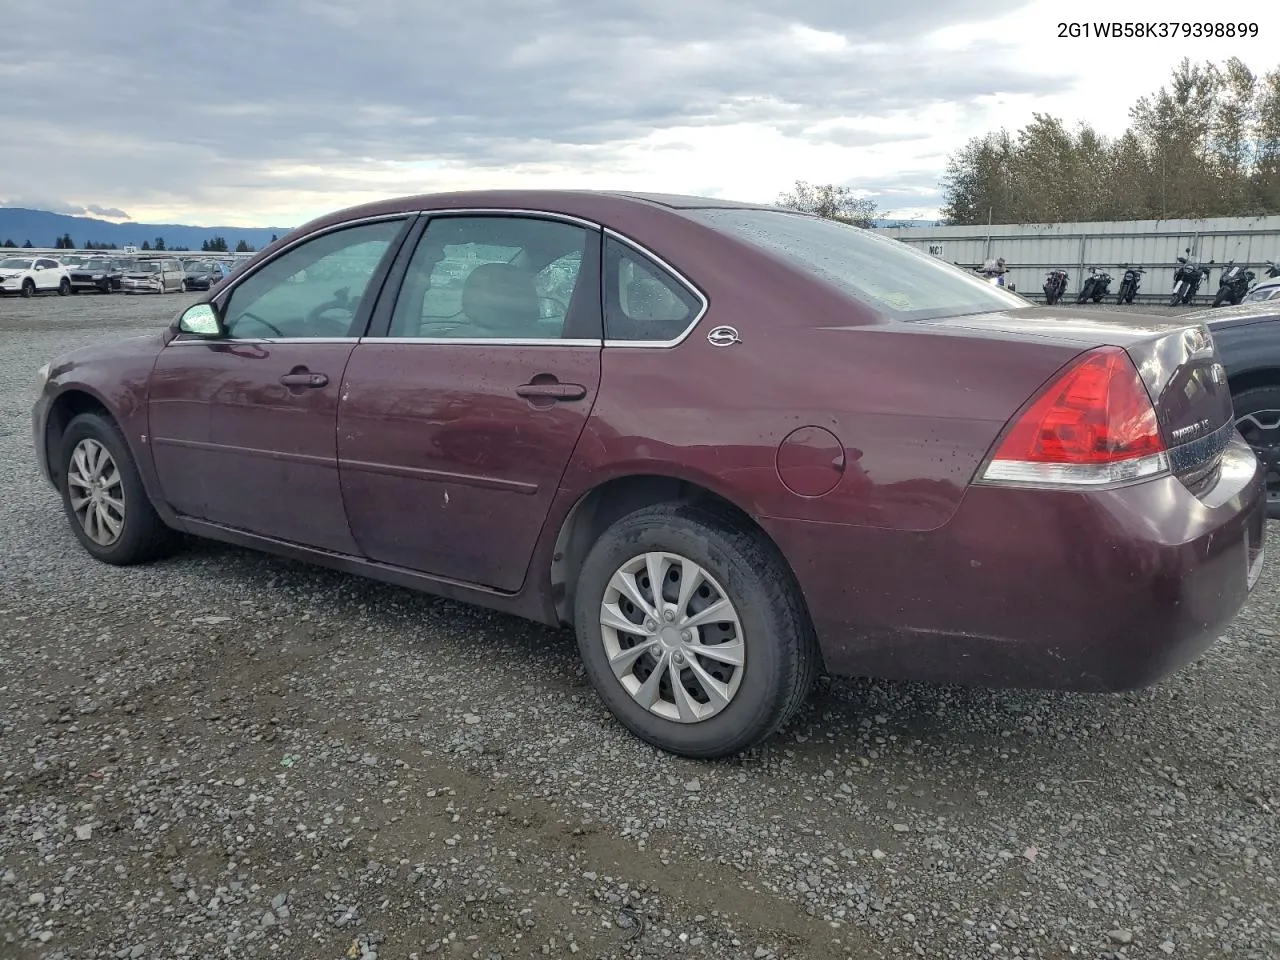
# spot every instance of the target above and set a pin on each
(312, 291)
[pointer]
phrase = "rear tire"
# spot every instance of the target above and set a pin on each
(1258, 420)
(98, 477)
(764, 621)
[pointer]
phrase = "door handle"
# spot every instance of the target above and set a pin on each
(304, 380)
(552, 391)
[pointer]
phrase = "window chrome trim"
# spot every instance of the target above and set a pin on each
(533, 212)
(487, 341)
(233, 282)
(679, 278)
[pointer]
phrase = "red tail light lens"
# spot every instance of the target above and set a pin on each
(1095, 424)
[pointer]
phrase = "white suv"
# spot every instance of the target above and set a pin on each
(31, 275)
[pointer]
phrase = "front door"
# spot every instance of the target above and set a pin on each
(242, 428)
(456, 425)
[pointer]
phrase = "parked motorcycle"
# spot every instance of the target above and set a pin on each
(1055, 285)
(1233, 284)
(1130, 283)
(1095, 287)
(994, 271)
(1187, 278)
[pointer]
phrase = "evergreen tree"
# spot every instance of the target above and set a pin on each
(1205, 144)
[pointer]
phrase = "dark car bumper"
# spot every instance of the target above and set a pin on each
(198, 283)
(86, 282)
(39, 422)
(1096, 591)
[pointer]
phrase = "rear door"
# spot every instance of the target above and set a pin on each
(242, 429)
(457, 422)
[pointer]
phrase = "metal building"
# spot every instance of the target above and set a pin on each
(1030, 249)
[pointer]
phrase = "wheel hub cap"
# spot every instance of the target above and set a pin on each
(96, 492)
(672, 636)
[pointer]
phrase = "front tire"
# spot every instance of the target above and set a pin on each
(1223, 295)
(103, 496)
(1177, 296)
(730, 656)
(28, 288)
(64, 287)
(1258, 420)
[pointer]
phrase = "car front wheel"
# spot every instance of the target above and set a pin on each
(693, 632)
(103, 496)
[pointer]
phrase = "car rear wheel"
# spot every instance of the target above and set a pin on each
(1258, 420)
(693, 632)
(103, 496)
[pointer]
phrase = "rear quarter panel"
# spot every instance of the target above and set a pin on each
(916, 410)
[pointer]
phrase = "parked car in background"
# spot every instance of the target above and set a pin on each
(203, 274)
(1266, 290)
(731, 445)
(27, 276)
(154, 276)
(104, 274)
(1248, 341)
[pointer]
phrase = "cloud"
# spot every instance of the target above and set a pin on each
(296, 106)
(111, 213)
(62, 206)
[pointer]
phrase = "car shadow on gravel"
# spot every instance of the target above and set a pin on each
(950, 718)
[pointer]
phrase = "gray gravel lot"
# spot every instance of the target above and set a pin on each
(230, 755)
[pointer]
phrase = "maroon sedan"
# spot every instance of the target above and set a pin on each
(731, 445)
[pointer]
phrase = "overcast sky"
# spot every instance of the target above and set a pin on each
(268, 113)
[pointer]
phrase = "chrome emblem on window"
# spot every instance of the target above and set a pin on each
(723, 337)
(1219, 374)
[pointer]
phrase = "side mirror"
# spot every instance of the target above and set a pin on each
(201, 320)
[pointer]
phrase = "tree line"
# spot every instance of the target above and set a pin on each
(1205, 145)
(212, 245)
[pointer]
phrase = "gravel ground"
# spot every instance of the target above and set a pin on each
(230, 755)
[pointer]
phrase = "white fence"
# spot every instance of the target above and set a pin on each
(1032, 249)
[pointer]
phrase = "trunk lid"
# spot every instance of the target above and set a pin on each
(1176, 360)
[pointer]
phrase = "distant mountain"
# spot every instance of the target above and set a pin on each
(43, 229)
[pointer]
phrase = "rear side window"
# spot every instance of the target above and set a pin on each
(644, 302)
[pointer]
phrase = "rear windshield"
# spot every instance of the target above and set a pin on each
(887, 275)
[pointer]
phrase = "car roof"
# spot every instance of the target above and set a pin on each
(1249, 309)
(613, 208)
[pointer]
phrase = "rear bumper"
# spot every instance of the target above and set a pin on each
(1097, 591)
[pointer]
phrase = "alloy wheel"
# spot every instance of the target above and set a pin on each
(673, 637)
(96, 491)
(1261, 430)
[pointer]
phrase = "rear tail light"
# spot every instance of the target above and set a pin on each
(1093, 425)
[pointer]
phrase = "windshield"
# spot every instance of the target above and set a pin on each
(15, 263)
(146, 267)
(887, 275)
(97, 265)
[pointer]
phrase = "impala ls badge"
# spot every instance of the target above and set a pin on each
(1183, 432)
(723, 337)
